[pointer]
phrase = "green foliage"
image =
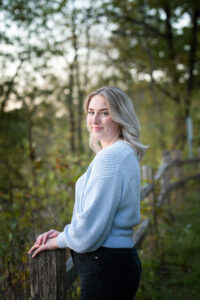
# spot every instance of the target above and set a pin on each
(170, 270)
(37, 184)
(13, 131)
(73, 293)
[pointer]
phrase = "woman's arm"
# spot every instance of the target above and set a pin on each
(91, 225)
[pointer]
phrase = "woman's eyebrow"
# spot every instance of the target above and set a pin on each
(99, 110)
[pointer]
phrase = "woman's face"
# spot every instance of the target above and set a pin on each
(100, 123)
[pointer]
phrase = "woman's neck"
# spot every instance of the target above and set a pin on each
(105, 144)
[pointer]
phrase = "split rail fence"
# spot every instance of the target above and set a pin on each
(51, 275)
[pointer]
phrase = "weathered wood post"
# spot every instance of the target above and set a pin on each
(48, 275)
(147, 175)
(198, 154)
(178, 168)
(165, 182)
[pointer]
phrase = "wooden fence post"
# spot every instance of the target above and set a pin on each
(177, 169)
(48, 275)
(147, 175)
(165, 182)
(198, 153)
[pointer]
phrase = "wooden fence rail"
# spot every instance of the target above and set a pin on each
(51, 275)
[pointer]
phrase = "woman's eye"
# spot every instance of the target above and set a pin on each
(105, 113)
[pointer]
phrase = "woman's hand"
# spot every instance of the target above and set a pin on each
(50, 244)
(42, 238)
(45, 241)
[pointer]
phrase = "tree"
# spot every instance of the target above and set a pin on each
(151, 40)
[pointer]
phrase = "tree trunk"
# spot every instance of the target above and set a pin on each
(71, 108)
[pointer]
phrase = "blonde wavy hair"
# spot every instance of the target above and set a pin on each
(122, 112)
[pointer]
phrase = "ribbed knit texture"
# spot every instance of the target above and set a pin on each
(107, 202)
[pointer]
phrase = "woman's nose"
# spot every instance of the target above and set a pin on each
(95, 118)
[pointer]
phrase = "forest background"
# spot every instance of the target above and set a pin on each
(52, 54)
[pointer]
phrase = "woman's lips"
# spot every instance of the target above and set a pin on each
(96, 128)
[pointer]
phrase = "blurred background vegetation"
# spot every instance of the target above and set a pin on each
(52, 54)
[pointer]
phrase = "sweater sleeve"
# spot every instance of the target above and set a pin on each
(101, 196)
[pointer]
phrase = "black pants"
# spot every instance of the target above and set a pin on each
(108, 273)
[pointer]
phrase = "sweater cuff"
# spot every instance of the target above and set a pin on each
(61, 240)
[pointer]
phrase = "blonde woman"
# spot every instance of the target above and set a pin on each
(107, 204)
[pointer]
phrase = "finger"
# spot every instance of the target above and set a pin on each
(54, 234)
(40, 249)
(33, 248)
(39, 239)
(45, 238)
(50, 234)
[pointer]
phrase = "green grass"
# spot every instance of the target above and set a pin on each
(171, 262)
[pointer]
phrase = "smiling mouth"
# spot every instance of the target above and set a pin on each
(97, 128)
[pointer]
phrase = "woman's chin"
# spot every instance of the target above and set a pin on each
(96, 135)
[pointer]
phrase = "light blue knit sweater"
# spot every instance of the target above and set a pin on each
(107, 203)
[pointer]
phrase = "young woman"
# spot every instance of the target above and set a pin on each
(107, 203)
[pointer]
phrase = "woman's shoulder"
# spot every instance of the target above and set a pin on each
(108, 160)
(118, 151)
